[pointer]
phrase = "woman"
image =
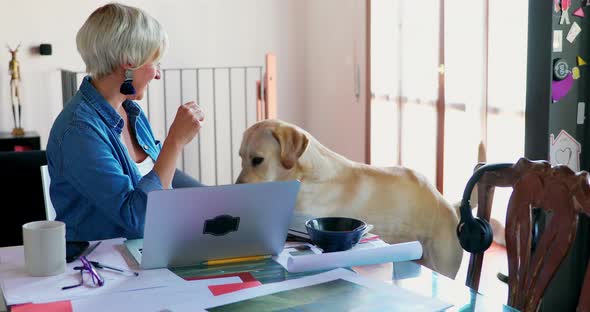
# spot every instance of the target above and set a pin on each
(102, 155)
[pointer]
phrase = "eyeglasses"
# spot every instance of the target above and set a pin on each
(97, 279)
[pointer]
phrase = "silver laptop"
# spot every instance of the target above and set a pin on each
(190, 225)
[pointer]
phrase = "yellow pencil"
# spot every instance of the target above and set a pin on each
(235, 260)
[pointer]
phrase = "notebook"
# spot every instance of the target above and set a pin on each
(297, 230)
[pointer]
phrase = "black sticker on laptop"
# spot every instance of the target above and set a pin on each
(221, 225)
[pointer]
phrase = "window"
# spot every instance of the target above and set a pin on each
(461, 63)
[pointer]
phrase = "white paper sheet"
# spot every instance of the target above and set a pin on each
(397, 299)
(363, 254)
(573, 32)
(153, 299)
(557, 40)
(19, 287)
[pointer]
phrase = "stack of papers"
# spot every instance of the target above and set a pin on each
(153, 299)
(151, 290)
(159, 290)
(337, 290)
(19, 287)
(297, 227)
(372, 252)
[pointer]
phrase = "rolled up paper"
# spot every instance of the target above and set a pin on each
(390, 253)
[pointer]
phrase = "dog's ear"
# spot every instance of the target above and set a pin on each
(293, 143)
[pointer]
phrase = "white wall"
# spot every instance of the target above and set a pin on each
(317, 44)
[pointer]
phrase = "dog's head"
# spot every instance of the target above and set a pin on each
(270, 151)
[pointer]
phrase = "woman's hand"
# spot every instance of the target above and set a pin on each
(186, 124)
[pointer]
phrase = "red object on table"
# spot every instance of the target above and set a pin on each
(58, 306)
(248, 281)
(217, 290)
(244, 276)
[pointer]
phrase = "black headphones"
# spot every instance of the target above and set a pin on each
(475, 234)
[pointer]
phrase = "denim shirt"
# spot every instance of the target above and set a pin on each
(96, 188)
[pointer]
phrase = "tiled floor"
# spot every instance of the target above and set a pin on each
(494, 261)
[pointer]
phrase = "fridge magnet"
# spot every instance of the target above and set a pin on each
(560, 69)
(576, 73)
(579, 12)
(581, 61)
(564, 150)
(573, 33)
(560, 88)
(565, 18)
(557, 40)
(581, 113)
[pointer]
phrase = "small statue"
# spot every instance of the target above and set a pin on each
(14, 71)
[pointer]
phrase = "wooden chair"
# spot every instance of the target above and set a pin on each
(558, 190)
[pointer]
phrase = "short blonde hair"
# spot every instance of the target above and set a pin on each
(117, 34)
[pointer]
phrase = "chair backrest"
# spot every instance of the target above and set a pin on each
(21, 193)
(563, 195)
(485, 195)
(46, 179)
(182, 180)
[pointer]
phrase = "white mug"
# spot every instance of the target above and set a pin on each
(45, 247)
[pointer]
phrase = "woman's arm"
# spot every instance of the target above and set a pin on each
(166, 163)
(88, 161)
(185, 127)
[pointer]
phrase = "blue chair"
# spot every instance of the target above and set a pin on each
(182, 180)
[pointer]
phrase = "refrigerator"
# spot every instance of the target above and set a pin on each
(556, 117)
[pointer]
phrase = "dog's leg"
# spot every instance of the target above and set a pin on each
(427, 256)
(445, 253)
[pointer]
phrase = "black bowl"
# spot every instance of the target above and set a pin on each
(335, 233)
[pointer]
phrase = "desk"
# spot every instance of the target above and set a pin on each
(407, 275)
(422, 280)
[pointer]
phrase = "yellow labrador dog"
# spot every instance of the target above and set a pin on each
(400, 203)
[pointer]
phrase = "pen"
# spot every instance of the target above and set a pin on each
(98, 265)
(235, 260)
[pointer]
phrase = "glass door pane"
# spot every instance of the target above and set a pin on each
(385, 81)
(419, 77)
(464, 92)
(507, 89)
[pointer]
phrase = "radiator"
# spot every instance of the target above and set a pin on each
(230, 98)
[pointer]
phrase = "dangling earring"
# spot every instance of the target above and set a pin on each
(127, 88)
